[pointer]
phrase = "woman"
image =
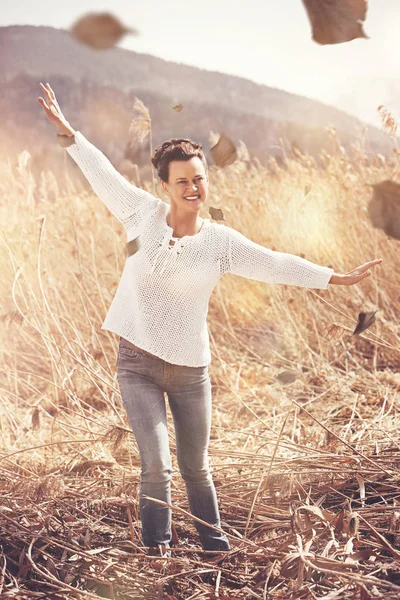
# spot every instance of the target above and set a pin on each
(160, 310)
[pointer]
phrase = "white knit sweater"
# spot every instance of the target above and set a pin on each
(161, 302)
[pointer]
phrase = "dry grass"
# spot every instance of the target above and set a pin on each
(306, 474)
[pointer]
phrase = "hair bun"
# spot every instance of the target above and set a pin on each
(175, 149)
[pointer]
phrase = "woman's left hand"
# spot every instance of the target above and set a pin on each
(356, 275)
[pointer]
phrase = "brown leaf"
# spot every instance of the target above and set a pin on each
(290, 565)
(132, 247)
(351, 524)
(224, 152)
(174, 535)
(140, 125)
(99, 30)
(216, 214)
(12, 317)
(65, 140)
(35, 419)
(365, 320)
(339, 522)
(334, 22)
(384, 208)
(355, 557)
(315, 510)
(178, 107)
(51, 566)
(286, 377)
(388, 121)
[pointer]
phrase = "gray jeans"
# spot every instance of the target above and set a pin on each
(142, 380)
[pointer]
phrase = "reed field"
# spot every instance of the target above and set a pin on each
(304, 443)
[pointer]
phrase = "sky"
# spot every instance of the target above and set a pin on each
(263, 40)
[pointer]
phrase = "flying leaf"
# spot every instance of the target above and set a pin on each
(334, 22)
(140, 125)
(286, 377)
(12, 317)
(388, 121)
(224, 152)
(132, 247)
(99, 30)
(35, 419)
(65, 140)
(178, 107)
(384, 207)
(213, 138)
(365, 320)
(216, 214)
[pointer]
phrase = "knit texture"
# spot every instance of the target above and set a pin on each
(161, 302)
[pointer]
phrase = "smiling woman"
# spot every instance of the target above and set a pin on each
(160, 310)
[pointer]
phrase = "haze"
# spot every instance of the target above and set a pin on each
(265, 41)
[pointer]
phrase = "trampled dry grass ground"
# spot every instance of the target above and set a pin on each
(307, 473)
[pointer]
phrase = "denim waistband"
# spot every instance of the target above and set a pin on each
(125, 342)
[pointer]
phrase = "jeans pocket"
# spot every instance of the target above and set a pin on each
(129, 352)
(126, 355)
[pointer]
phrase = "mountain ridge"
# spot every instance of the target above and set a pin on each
(264, 118)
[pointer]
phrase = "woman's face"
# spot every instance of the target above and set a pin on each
(187, 184)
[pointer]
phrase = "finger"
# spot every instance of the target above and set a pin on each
(367, 265)
(46, 91)
(54, 111)
(43, 102)
(374, 262)
(50, 90)
(365, 275)
(357, 278)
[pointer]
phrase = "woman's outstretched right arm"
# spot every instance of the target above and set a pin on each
(124, 200)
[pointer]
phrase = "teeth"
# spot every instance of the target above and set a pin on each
(191, 197)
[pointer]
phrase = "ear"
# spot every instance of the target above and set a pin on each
(164, 187)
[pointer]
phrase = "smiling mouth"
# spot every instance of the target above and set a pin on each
(192, 197)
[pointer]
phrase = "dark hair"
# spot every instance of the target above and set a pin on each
(182, 149)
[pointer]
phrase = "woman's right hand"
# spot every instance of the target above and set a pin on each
(53, 112)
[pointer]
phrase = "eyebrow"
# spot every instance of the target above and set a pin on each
(184, 178)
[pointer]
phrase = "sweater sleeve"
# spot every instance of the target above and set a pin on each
(248, 259)
(124, 200)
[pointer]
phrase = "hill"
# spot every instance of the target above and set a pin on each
(96, 90)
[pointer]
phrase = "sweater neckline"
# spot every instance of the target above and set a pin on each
(204, 224)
